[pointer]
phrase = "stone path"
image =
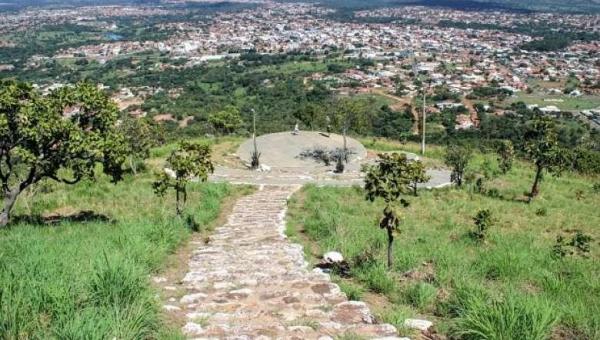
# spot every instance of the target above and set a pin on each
(250, 282)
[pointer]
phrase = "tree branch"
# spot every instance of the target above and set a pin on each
(64, 180)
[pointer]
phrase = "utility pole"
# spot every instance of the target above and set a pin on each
(254, 131)
(423, 123)
(254, 162)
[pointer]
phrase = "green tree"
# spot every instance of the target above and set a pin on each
(189, 161)
(61, 137)
(542, 148)
(227, 120)
(351, 114)
(417, 174)
(457, 157)
(140, 136)
(389, 180)
(506, 156)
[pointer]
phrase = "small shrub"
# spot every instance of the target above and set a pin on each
(493, 193)
(255, 160)
(579, 244)
(559, 248)
(596, 188)
(192, 224)
(483, 220)
(339, 166)
(325, 156)
(541, 211)
(480, 185)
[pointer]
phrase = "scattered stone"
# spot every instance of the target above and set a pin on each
(300, 329)
(192, 298)
(223, 285)
(351, 312)
(192, 329)
(263, 168)
(422, 325)
(159, 279)
(170, 172)
(290, 299)
(239, 294)
(171, 308)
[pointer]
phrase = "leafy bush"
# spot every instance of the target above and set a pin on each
(579, 244)
(483, 220)
(541, 211)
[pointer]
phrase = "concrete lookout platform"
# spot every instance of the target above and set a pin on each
(282, 150)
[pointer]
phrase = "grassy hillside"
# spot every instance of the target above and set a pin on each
(511, 286)
(77, 262)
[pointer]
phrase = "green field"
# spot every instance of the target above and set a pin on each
(77, 261)
(511, 286)
(565, 102)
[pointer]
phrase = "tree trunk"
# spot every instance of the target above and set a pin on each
(10, 198)
(389, 249)
(535, 190)
(415, 189)
(345, 145)
(177, 198)
(132, 165)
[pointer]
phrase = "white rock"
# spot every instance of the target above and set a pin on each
(171, 308)
(170, 172)
(159, 279)
(300, 329)
(197, 315)
(223, 285)
(192, 329)
(325, 337)
(263, 168)
(191, 298)
(333, 257)
(422, 325)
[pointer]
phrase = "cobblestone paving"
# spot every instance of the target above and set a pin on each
(250, 282)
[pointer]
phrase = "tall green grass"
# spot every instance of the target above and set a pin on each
(514, 267)
(511, 318)
(90, 279)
